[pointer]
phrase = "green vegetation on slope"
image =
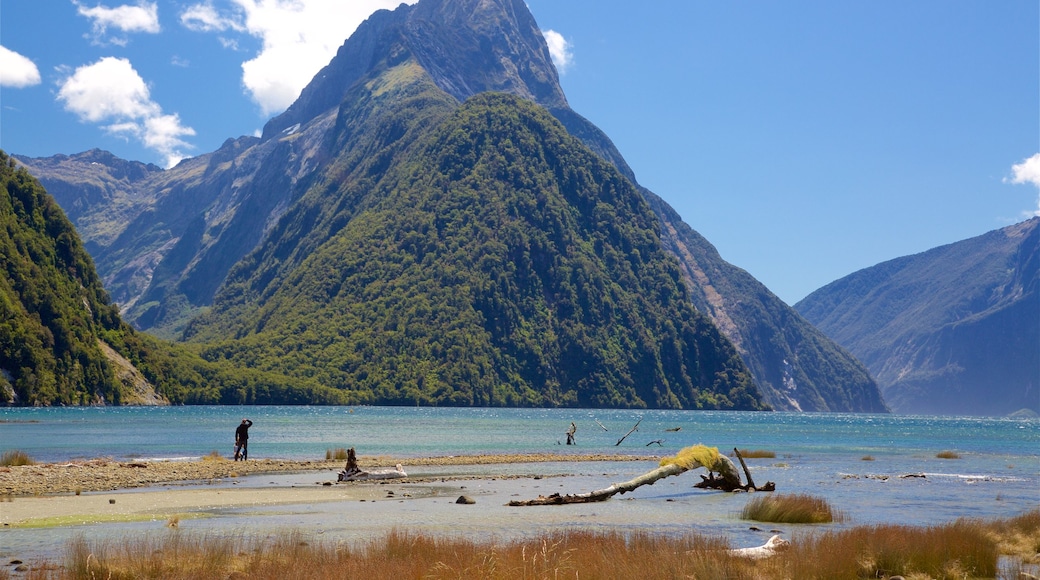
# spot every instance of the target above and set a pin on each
(501, 264)
(55, 315)
(52, 304)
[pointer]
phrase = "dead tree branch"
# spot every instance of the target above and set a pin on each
(634, 429)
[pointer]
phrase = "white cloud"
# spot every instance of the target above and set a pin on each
(1028, 172)
(110, 91)
(206, 18)
(144, 17)
(559, 50)
(17, 71)
(299, 38)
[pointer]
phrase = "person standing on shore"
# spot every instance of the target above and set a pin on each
(242, 440)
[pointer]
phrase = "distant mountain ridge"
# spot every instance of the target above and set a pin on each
(244, 218)
(954, 330)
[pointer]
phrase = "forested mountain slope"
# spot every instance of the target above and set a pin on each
(62, 341)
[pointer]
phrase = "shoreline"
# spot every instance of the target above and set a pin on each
(100, 475)
(102, 491)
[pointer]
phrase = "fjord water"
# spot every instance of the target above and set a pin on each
(853, 461)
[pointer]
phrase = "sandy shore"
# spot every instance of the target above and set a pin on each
(106, 475)
(68, 494)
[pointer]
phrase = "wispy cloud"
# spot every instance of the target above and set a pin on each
(206, 17)
(559, 49)
(1028, 172)
(143, 17)
(299, 38)
(110, 91)
(17, 71)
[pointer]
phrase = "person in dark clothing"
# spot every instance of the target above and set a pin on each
(242, 440)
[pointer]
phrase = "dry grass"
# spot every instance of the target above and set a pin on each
(957, 550)
(790, 509)
(963, 549)
(213, 456)
(948, 455)
(337, 454)
(15, 458)
(1018, 536)
(867, 458)
(757, 454)
(401, 555)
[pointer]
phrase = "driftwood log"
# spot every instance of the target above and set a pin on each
(687, 459)
(775, 545)
(354, 473)
(726, 484)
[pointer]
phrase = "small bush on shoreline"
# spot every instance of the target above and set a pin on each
(337, 454)
(790, 509)
(15, 458)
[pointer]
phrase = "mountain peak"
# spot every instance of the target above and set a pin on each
(467, 47)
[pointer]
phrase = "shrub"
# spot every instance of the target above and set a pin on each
(15, 458)
(790, 509)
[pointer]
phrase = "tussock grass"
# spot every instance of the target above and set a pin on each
(213, 456)
(15, 458)
(790, 509)
(757, 454)
(957, 550)
(399, 555)
(965, 548)
(867, 458)
(337, 454)
(948, 455)
(1018, 536)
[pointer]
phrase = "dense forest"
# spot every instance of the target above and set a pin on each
(57, 324)
(503, 263)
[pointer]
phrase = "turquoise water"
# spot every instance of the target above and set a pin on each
(61, 434)
(997, 475)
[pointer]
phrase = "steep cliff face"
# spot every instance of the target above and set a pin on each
(951, 330)
(242, 218)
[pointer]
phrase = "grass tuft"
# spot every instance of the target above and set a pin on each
(15, 458)
(957, 550)
(867, 458)
(337, 454)
(948, 455)
(213, 456)
(693, 457)
(790, 509)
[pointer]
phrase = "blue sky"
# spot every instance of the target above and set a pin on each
(806, 140)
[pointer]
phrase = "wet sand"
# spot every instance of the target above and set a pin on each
(66, 494)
